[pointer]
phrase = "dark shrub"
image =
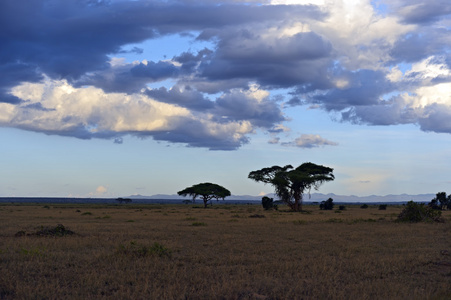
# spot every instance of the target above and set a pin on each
(327, 205)
(383, 207)
(267, 203)
(59, 230)
(342, 207)
(364, 206)
(418, 212)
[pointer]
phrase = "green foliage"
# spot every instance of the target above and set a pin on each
(364, 206)
(342, 207)
(327, 205)
(207, 191)
(419, 212)
(290, 184)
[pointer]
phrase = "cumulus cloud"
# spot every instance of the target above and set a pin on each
(63, 72)
(56, 107)
(310, 141)
(101, 190)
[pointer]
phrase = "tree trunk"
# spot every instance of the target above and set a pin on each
(297, 201)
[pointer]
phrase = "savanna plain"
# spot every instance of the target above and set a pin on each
(130, 251)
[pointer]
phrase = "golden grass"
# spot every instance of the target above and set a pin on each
(187, 252)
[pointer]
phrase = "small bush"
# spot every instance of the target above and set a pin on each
(383, 207)
(342, 207)
(57, 231)
(418, 212)
(88, 213)
(327, 205)
(364, 206)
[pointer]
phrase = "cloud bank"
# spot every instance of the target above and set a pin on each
(370, 62)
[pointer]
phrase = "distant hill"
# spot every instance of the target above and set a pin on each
(315, 197)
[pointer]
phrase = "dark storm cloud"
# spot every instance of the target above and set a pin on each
(66, 39)
(154, 71)
(421, 44)
(274, 62)
(391, 112)
(437, 118)
(236, 106)
(128, 78)
(363, 87)
(187, 97)
(419, 12)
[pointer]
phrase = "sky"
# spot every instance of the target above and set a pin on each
(117, 98)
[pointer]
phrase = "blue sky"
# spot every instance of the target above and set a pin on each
(115, 98)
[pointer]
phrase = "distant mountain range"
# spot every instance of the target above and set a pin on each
(315, 197)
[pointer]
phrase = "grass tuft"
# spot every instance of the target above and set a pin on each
(139, 250)
(199, 224)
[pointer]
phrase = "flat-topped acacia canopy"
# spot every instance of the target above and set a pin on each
(207, 191)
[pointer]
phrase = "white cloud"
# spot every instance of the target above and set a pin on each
(66, 107)
(358, 34)
(56, 107)
(274, 140)
(310, 141)
(101, 190)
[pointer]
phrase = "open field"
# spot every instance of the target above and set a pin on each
(223, 252)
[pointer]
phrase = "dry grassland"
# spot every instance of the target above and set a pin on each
(223, 252)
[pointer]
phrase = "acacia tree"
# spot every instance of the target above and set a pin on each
(290, 184)
(207, 191)
(441, 201)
